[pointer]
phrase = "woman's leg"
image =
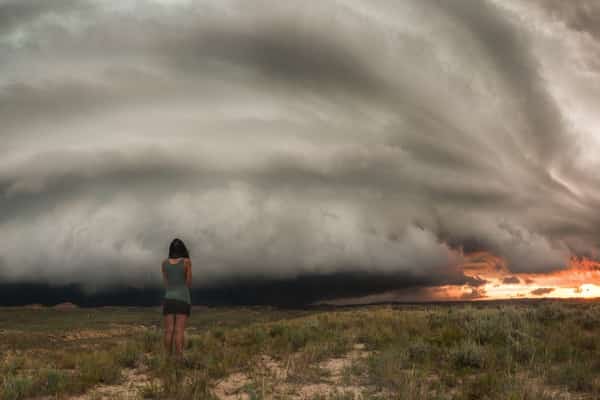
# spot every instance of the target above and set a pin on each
(180, 320)
(169, 324)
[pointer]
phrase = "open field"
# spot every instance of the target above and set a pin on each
(547, 350)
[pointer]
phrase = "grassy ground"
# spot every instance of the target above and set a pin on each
(479, 351)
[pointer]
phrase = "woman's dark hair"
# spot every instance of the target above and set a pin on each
(177, 249)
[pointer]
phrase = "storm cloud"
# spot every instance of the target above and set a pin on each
(511, 280)
(542, 291)
(283, 141)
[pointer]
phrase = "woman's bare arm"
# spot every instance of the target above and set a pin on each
(164, 273)
(188, 272)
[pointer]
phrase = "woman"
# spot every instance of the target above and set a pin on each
(177, 276)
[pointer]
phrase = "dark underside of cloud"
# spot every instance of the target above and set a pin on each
(511, 280)
(301, 291)
(542, 291)
(302, 152)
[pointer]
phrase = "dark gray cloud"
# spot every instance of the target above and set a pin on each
(276, 51)
(511, 280)
(474, 294)
(541, 291)
(580, 15)
(17, 13)
(281, 141)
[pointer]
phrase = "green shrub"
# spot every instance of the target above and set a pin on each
(66, 360)
(578, 376)
(128, 355)
(418, 351)
(467, 354)
(11, 365)
(257, 336)
(99, 367)
(551, 312)
(54, 381)
(219, 333)
(560, 352)
(449, 335)
(386, 367)
(198, 387)
(152, 391)
(298, 337)
(214, 363)
(488, 328)
(151, 340)
(437, 320)
(482, 386)
(590, 318)
(16, 387)
(521, 347)
(276, 330)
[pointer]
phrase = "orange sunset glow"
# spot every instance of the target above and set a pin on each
(580, 279)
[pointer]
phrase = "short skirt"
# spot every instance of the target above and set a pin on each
(172, 306)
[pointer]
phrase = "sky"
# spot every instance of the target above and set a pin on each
(428, 150)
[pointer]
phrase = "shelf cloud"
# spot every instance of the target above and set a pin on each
(281, 140)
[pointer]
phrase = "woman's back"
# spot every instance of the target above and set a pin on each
(176, 283)
(177, 277)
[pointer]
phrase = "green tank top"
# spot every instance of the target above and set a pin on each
(176, 288)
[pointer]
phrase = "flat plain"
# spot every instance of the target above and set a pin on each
(506, 350)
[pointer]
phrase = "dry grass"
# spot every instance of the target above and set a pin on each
(541, 351)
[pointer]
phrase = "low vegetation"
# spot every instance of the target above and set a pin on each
(547, 350)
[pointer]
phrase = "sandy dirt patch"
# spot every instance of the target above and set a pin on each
(336, 366)
(84, 334)
(271, 376)
(231, 387)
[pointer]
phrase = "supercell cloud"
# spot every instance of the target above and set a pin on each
(287, 139)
